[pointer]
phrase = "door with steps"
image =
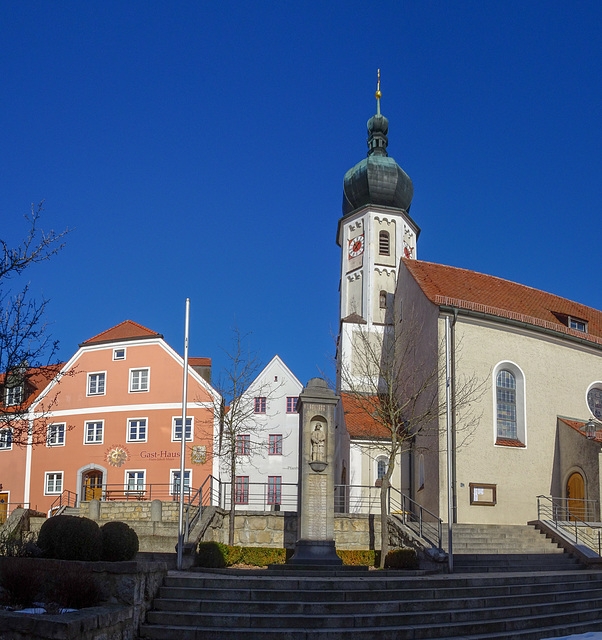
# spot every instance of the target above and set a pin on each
(258, 605)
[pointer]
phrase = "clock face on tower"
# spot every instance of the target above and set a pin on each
(356, 246)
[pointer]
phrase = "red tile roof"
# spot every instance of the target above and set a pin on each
(451, 286)
(359, 422)
(199, 362)
(36, 379)
(577, 424)
(127, 330)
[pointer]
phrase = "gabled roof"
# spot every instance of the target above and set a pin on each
(451, 286)
(359, 423)
(127, 330)
(577, 424)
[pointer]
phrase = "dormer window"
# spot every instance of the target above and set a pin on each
(578, 325)
(13, 395)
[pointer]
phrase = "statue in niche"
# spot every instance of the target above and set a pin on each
(318, 444)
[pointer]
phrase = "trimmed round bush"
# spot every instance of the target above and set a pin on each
(401, 559)
(119, 542)
(70, 538)
(212, 555)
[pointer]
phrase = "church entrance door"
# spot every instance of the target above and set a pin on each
(92, 481)
(575, 494)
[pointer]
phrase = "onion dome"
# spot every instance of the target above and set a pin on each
(377, 179)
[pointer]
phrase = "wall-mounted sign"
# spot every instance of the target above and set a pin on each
(199, 454)
(483, 494)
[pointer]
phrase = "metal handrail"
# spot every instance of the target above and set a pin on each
(549, 511)
(412, 514)
(66, 499)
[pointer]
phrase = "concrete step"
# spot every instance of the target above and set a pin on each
(261, 605)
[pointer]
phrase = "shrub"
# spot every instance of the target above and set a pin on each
(74, 588)
(359, 557)
(211, 555)
(20, 582)
(70, 538)
(119, 542)
(401, 559)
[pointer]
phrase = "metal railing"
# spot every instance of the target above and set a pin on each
(66, 499)
(420, 520)
(555, 512)
(356, 498)
(259, 496)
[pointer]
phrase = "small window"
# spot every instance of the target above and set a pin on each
(381, 468)
(421, 472)
(93, 432)
(241, 495)
(53, 482)
(275, 444)
(383, 243)
(578, 325)
(96, 384)
(139, 379)
(134, 480)
(118, 354)
(382, 300)
(291, 404)
(175, 482)
(506, 405)
(243, 444)
(55, 435)
(13, 395)
(260, 405)
(176, 430)
(6, 439)
(274, 489)
(136, 430)
(594, 402)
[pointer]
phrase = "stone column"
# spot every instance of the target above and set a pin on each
(315, 508)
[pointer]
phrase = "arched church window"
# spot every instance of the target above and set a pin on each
(381, 468)
(383, 300)
(383, 243)
(506, 405)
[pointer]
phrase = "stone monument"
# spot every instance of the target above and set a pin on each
(315, 508)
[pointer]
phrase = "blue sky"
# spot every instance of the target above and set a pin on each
(198, 150)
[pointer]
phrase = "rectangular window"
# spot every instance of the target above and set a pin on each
(176, 430)
(291, 404)
(259, 405)
(6, 439)
(274, 489)
(242, 490)
(579, 325)
(136, 430)
(96, 384)
(13, 395)
(118, 354)
(134, 480)
(55, 435)
(53, 483)
(93, 432)
(175, 482)
(275, 444)
(243, 445)
(139, 379)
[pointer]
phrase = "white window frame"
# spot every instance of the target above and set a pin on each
(126, 479)
(54, 474)
(51, 434)
(189, 437)
(4, 446)
(175, 490)
(9, 395)
(102, 431)
(104, 389)
(136, 370)
(127, 435)
(521, 401)
(119, 349)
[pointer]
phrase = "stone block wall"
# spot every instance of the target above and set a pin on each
(132, 510)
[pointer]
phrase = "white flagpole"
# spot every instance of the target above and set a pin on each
(183, 446)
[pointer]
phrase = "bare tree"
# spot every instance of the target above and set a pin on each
(397, 378)
(239, 422)
(27, 350)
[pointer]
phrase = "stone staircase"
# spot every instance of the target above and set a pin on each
(262, 605)
(486, 548)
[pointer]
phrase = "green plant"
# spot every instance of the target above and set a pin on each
(74, 588)
(401, 559)
(119, 542)
(20, 581)
(359, 557)
(211, 555)
(70, 538)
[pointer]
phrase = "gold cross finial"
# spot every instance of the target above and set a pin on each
(378, 93)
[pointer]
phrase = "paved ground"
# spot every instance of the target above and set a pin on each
(584, 636)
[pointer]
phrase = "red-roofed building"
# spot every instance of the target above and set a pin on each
(113, 420)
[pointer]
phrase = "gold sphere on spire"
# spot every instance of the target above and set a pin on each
(378, 94)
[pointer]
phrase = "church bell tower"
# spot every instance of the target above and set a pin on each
(374, 233)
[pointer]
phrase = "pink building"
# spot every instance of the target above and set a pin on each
(113, 425)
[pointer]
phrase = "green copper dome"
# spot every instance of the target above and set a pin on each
(377, 179)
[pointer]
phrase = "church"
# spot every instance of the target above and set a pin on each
(524, 369)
